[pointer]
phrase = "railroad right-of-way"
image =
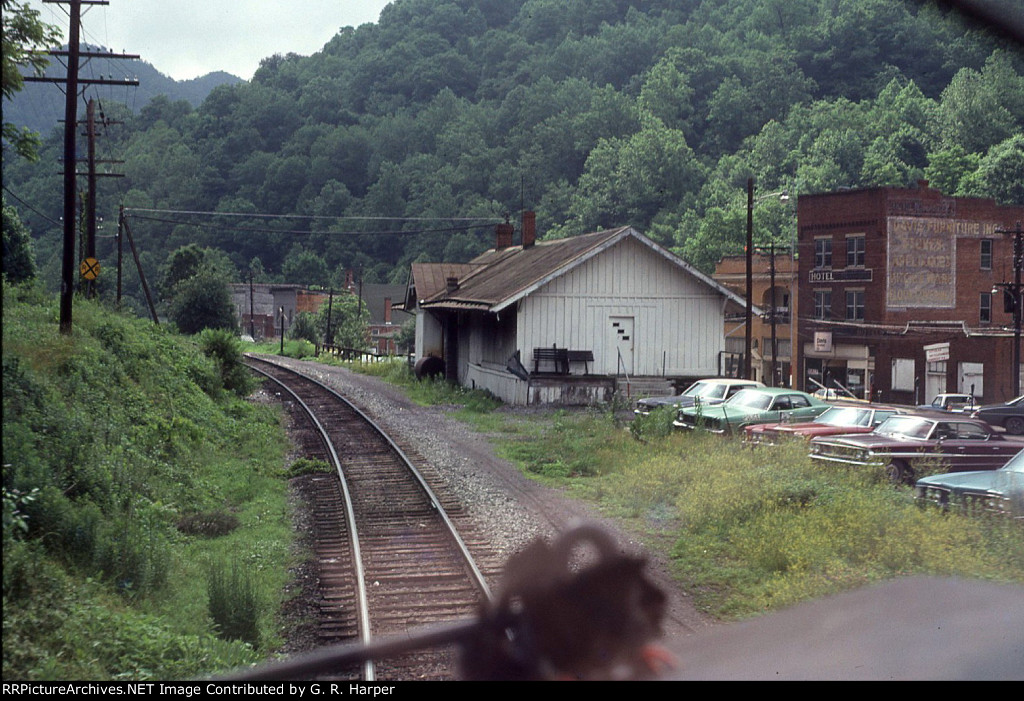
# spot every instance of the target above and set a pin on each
(390, 559)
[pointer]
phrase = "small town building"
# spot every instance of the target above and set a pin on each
(386, 317)
(568, 320)
(773, 278)
(262, 309)
(899, 293)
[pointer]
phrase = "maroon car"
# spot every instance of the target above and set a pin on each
(836, 421)
(906, 444)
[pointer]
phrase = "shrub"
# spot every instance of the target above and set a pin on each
(308, 466)
(208, 523)
(656, 425)
(226, 351)
(203, 301)
(304, 327)
(232, 603)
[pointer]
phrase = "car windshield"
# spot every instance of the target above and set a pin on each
(845, 416)
(706, 390)
(1015, 402)
(909, 426)
(751, 399)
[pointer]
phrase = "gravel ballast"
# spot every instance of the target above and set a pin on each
(510, 508)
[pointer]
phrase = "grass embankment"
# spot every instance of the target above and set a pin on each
(746, 530)
(146, 528)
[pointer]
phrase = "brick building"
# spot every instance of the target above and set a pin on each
(897, 297)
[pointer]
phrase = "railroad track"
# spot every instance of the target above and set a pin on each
(390, 558)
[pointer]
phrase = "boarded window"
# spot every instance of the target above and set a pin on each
(903, 374)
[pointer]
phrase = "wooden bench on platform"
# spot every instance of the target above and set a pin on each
(582, 356)
(559, 357)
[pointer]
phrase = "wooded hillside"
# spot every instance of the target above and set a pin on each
(594, 114)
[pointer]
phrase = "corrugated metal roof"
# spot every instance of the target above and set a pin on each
(498, 278)
(501, 275)
(429, 279)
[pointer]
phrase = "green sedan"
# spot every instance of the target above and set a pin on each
(752, 406)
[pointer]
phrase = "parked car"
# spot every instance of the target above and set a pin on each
(905, 444)
(951, 402)
(836, 395)
(710, 391)
(836, 420)
(1009, 415)
(1001, 490)
(751, 406)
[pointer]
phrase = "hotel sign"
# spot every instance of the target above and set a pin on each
(846, 275)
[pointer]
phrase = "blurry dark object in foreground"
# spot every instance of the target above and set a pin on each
(552, 621)
(912, 628)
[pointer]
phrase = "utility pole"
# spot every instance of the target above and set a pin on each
(773, 250)
(91, 196)
(329, 338)
(71, 83)
(1012, 299)
(750, 280)
(252, 311)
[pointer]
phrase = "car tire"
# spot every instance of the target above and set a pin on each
(1015, 425)
(899, 472)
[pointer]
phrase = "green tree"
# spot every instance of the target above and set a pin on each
(948, 167)
(23, 33)
(349, 325)
(203, 301)
(1000, 173)
(304, 326)
(188, 261)
(18, 262)
(304, 267)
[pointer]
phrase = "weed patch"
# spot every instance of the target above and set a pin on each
(120, 443)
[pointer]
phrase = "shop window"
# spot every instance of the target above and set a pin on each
(985, 313)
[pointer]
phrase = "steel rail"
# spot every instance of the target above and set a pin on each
(368, 634)
(363, 615)
(478, 576)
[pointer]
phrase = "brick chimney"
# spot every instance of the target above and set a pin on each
(451, 284)
(503, 235)
(387, 310)
(529, 229)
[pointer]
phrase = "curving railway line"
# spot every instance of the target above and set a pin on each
(391, 557)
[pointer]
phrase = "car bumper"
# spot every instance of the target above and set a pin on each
(683, 425)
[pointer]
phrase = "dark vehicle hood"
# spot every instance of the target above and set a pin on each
(871, 441)
(990, 481)
(666, 401)
(681, 401)
(811, 429)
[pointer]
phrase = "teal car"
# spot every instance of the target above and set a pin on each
(752, 406)
(996, 491)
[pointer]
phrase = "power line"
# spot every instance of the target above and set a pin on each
(52, 221)
(254, 215)
(393, 232)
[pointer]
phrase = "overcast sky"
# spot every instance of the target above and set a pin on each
(189, 38)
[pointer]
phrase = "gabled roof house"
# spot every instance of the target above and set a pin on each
(560, 321)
